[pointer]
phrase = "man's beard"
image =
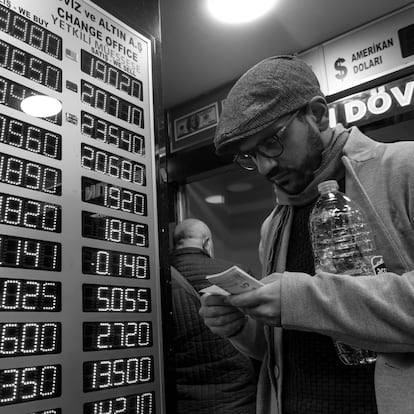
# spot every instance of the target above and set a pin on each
(313, 160)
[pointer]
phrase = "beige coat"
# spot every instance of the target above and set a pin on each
(380, 177)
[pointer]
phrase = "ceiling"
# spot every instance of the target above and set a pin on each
(200, 54)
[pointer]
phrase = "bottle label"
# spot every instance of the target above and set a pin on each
(378, 265)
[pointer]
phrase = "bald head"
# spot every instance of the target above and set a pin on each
(193, 233)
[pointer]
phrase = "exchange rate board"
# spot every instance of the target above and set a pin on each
(80, 326)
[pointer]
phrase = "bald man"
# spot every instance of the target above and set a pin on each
(193, 233)
(211, 375)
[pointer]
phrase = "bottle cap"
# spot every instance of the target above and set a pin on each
(327, 186)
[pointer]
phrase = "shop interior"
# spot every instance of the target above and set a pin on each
(90, 194)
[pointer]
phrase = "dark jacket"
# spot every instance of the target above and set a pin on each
(211, 375)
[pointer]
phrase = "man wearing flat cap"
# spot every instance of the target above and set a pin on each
(275, 121)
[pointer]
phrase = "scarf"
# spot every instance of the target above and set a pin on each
(276, 237)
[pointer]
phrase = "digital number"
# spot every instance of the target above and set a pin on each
(107, 163)
(131, 404)
(32, 338)
(112, 263)
(30, 138)
(99, 375)
(31, 175)
(114, 197)
(97, 298)
(24, 64)
(29, 253)
(12, 94)
(24, 212)
(113, 105)
(99, 69)
(30, 295)
(102, 130)
(116, 335)
(30, 33)
(31, 383)
(114, 230)
(52, 411)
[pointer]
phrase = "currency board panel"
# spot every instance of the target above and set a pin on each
(80, 327)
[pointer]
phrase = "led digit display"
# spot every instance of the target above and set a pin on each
(30, 138)
(104, 262)
(102, 130)
(143, 403)
(30, 295)
(12, 94)
(33, 214)
(31, 67)
(30, 338)
(113, 229)
(30, 33)
(105, 84)
(29, 253)
(31, 175)
(112, 373)
(98, 298)
(113, 105)
(107, 163)
(19, 385)
(112, 196)
(99, 336)
(99, 69)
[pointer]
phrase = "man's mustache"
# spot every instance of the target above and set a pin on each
(272, 173)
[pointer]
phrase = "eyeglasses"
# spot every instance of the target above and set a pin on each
(270, 147)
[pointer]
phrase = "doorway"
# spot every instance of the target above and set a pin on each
(233, 202)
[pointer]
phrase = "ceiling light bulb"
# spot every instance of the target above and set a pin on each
(239, 11)
(41, 106)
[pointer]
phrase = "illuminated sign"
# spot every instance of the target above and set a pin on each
(29, 253)
(372, 105)
(130, 404)
(101, 298)
(108, 163)
(30, 295)
(29, 174)
(113, 229)
(12, 94)
(379, 48)
(30, 338)
(20, 134)
(115, 373)
(115, 197)
(98, 336)
(29, 383)
(102, 130)
(102, 262)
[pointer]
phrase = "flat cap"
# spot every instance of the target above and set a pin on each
(269, 90)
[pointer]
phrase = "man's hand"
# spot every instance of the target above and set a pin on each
(222, 319)
(262, 304)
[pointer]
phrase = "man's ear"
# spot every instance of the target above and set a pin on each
(318, 109)
(208, 246)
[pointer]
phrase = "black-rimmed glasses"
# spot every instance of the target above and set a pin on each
(270, 147)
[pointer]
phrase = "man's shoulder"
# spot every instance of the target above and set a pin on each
(361, 147)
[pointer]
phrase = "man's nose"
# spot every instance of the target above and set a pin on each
(264, 164)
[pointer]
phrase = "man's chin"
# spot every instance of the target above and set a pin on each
(292, 188)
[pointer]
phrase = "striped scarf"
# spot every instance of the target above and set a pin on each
(276, 237)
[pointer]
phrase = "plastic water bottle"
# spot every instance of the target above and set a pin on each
(342, 243)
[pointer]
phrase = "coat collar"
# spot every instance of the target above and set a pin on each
(359, 147)
(189, 250)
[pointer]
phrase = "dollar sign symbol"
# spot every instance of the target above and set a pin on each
(341, 68)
